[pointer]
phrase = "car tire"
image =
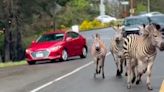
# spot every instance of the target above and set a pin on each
(84, 53)
(31, 62)
(64, 55)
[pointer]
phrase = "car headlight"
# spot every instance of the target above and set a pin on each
(28, 51)
(55, 48)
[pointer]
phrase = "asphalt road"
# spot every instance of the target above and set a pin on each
(75, 75)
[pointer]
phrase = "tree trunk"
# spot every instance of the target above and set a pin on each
(7, 43)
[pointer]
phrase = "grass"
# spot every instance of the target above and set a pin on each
(9, 64)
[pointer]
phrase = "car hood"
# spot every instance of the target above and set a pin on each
(43, 45)
(161, 25)
(132, 28)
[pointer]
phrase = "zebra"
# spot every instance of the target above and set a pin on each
(140, 52)
(116, 49)
(98, 51)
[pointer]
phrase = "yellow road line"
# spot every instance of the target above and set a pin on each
(162, 87)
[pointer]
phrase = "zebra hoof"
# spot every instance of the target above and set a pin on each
(133, 80)
(138, 82)
(149, 87)
(103, 76)
(118, 73)
(129, 87)
(99, 71)
(126, 74)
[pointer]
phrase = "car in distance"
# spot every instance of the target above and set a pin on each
(105, 18)
(57, 45)
(158, 19)
(131, 24)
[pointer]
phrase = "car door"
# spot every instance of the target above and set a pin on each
(72, 43)
(77, 43)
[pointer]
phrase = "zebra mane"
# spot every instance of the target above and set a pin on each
(149, 30)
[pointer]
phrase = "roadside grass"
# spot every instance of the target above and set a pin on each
(9, 64)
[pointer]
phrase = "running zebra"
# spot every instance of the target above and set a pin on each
(116, 49)
(98, 51)
(140, 52)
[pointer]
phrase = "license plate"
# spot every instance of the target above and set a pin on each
(39, 55)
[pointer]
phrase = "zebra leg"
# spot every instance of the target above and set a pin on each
(100, 67)
(96, 72)
(103, 75)
(134, 74)
(125, 66)
(138, 74)
(118, 63)
(97, 63)
(149, 71)
(121, 65)
(102, 64)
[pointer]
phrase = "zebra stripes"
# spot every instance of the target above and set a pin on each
(140, 52)
(98, 51)
(116, 49)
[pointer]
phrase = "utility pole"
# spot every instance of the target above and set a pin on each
(131, 7)
(148, 6)
(102, 8)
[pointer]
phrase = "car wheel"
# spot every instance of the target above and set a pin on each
(64, 55)
(31, 62)
(84, 53)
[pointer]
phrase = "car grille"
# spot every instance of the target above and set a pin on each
(40, 54)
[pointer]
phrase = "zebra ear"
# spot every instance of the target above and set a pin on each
(97, 35)
(157, 26)
(118, 28)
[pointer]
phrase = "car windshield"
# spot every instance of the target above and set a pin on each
(157, 19)
(51, 37)
(136, 21)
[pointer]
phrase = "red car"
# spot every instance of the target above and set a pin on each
(58, 45)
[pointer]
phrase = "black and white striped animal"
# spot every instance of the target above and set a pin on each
(98, 51)
(140, 52)
(116, 49)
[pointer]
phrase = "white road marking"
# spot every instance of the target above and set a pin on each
(64, 76)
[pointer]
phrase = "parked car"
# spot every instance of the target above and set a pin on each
(131, 24)
(105, 18)
(158, 19)
(151, 14)
(58, 45)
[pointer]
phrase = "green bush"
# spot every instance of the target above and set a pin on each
(86, 25)
(89, 25)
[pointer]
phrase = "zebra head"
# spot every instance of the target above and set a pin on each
(97, 42)
(118, 35)
(155, 35)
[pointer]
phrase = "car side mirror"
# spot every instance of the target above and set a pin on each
(33, 41)
(68, 39)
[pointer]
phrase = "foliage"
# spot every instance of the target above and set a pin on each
(74, 12)
(140, 8)
(86, 25)
(95, 24)
(155, 5)
(9, 64)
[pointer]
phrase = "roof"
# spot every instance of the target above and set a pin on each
(130, 17)
(55, 32)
